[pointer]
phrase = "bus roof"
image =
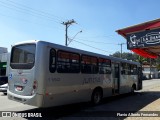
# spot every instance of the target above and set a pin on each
(56, 46)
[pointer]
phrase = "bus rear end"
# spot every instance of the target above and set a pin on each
(22, 81)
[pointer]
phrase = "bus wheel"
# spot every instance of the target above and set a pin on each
(96, 96)
(133, 88)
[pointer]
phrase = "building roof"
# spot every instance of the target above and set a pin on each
(148, 66)
(148, 52)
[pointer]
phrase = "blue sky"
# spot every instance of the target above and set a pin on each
(22, 20)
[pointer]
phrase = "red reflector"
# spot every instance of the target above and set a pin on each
(34, 85)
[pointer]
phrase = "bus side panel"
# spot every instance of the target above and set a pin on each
(62, 88)
(73, 88)
(124, 84)
(40, 67)
(134, 80)
(66, 89)
(107, 85)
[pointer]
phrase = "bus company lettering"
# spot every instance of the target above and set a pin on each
(54, 79)
(106, 78)
(91, 80)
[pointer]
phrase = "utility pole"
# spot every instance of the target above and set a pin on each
(121, 44)
(67, 24)
(150, 62)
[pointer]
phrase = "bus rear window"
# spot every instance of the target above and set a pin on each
(23, 56)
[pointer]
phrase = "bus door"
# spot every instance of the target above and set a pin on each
(140, 78)
(116, 78)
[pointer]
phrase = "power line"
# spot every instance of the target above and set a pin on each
(28, 10)
(50, 15)
(37, 13)
(100, 36)
(25, 9)
(92, 47)
(121, 44)
(95, 41)
(29, 21)
(95, 36)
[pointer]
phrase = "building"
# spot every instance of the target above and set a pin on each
(143, 39)
(3, 50)
(4, 58)
(150, 72)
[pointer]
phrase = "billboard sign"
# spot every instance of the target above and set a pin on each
(143, 39)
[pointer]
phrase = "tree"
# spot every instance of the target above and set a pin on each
(141, 60)
(125, 55)
(116, 54)
(137, 58)
(130, 56)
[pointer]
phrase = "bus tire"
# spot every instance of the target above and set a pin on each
(96, 96)
(133, 88)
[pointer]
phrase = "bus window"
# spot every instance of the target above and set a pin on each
(68, 62)
(104, 66)
(89, 64)
(125, 69)
(133, 70)
(23, 56)
(52, 61)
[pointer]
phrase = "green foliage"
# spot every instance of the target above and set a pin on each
(158, 67)
(126, 55)
(137, 58)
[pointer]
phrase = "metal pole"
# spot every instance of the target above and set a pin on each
(66, 34)
(121, 51)
(150, 70)
(70, 40)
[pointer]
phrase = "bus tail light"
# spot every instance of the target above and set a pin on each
(35, 85)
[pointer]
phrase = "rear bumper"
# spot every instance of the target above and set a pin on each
(3, 89)
(35, 100)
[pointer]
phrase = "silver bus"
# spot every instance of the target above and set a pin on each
(45, 74)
